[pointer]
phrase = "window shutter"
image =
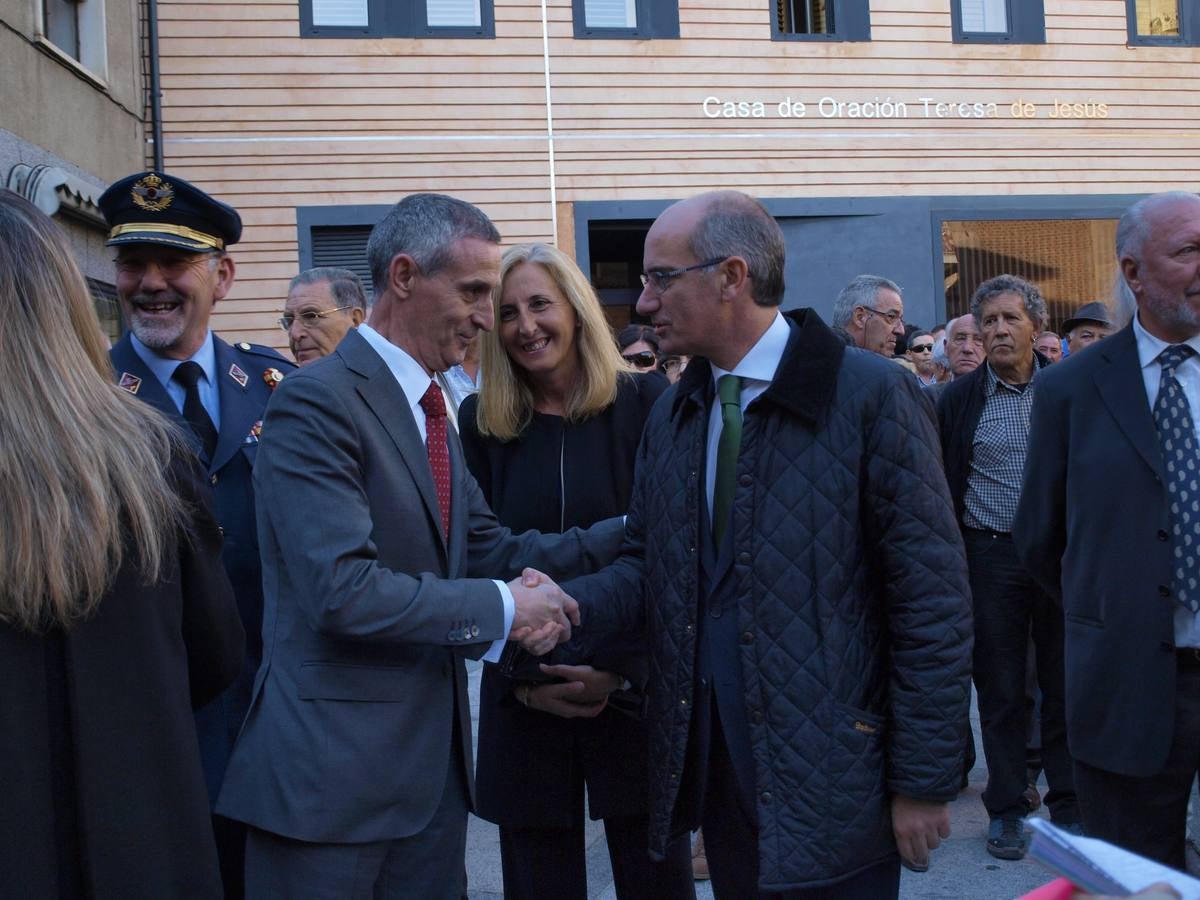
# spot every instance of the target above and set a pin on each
(351, 13)
(346, 248)
(984, 16)
(610, 13)
(451, 13)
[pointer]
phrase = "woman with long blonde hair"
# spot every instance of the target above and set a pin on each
(551, 438)
(115, 615)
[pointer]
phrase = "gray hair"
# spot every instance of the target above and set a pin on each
(1132, 227)
(1123, 304)
(1031, 298)
(861, 291)
(736, 224)
(347, 290)
(426, 227)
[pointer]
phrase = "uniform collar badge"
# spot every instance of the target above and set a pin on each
(129, 383)
(238, 375)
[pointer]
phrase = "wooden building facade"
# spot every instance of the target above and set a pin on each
(930, 141)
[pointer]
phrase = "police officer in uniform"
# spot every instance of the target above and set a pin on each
(173, 266)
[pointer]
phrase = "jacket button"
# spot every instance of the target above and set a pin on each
(747, 637)
(674, 776)
(689, 628)
(744, 558)
(745, 481)
(1164, 591)
(691, 548)
(1163, 534)
(683, 701)
(765, 796)
(221, 531)
(213, 480)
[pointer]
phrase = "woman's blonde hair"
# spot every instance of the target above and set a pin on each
(81, 461)
(505, 397)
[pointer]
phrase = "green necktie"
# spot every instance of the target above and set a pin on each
(729, 389)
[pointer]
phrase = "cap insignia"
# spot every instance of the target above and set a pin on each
(152, 193)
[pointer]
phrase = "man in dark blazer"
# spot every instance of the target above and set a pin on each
(353, 768)
(172, 264)
(1102, 527)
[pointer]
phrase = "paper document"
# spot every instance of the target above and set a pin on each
(1099, 867)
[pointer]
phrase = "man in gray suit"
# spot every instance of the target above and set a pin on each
(353, 768)
(1109, 523)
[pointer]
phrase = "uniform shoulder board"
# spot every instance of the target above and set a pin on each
(265, 352)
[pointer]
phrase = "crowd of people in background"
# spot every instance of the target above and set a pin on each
(731, 571)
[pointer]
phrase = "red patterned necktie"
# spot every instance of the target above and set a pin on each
(438, 450)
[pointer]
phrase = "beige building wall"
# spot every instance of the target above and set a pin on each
(271, 121)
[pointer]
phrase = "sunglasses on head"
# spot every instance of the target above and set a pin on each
(644, 359)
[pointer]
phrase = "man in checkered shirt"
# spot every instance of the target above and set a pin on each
(984, 419)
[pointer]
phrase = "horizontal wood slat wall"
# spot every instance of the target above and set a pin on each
(271, 121)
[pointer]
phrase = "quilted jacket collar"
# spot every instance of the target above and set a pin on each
(806, 378)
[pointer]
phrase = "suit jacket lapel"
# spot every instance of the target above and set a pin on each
(1123, 391)
(237, 416)
(126, 362)
(386, 399)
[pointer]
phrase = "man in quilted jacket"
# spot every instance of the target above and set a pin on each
(792, 554)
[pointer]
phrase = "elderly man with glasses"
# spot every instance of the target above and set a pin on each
(870, 309)
(322, 305)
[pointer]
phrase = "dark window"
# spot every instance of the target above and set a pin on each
(998, 21)
(386, 18)
(626, 18)
(108, 310)
(344, 247)
(1163, 22)
(821, 20)
(61, 25)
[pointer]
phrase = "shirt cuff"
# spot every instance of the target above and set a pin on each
(510, 612)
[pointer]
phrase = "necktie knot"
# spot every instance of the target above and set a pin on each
(1171, 358)
(432, 401)
(188, 373)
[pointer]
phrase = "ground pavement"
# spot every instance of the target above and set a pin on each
(961, 868)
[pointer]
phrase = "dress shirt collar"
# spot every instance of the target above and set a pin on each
(992, 381)
(761, 360)
(409, 374)
(164, 367)
(1149, 346)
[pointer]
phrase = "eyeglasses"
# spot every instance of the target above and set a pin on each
(923, 348)
(308, 318)
(643, 360)
(673, 362)
(661, 280)
(891, 317)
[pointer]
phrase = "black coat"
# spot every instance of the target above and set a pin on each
(1094, 528)
(103, 793)
(853, 604)
(520, 479)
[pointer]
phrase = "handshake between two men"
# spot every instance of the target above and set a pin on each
(544, 616)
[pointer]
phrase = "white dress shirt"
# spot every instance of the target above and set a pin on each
(757, 371)
(1187, 623)
(164, 367)
(414, 381)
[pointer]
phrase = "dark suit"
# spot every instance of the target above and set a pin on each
(360, 718)
(242, 407)
(1093, 529)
